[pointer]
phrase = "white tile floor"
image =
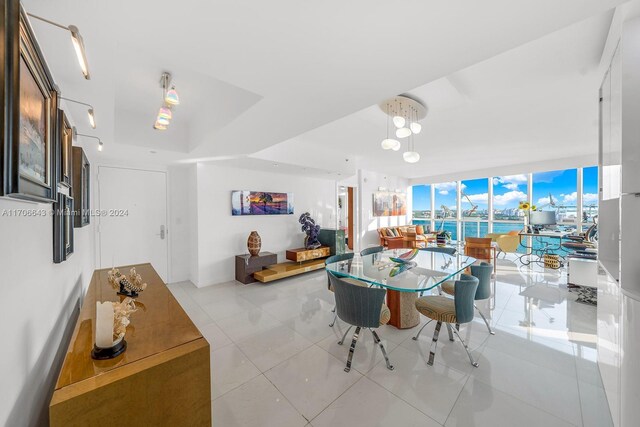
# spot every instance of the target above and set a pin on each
(276, 362)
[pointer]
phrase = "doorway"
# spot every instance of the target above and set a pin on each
(132, 225)
(346, 213)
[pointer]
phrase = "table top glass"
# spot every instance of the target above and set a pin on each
(426, 271)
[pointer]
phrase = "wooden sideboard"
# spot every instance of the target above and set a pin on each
(163, 378)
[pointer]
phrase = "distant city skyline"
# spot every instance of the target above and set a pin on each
(510, 190)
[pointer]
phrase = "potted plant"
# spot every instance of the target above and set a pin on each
(312, 229)
(443, 237)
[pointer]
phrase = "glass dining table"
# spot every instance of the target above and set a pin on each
(423, 273)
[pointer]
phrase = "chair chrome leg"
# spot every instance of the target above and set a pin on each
(486, 322)
(376, 338)
(473, 362)
(334, 320)
(418, 334)
(449, 329)
(352, 349)
(434, 344)
(345, 335)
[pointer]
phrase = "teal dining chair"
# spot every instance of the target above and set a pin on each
(336, 258)
(371, 250)
(483, 272)
(450, 311)
(444, 250)
(361, 306)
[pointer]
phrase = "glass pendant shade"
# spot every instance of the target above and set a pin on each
(171, 97)
(411, 156)
(399, 121)
(403, 132)
(389, 144)
(165, 113)
(396, 146)
(159, 126)
(415, 127)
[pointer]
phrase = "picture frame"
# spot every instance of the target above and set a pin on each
(247, 202)
(64, 163)
(63, 244)
(387, 203)
(29, 119)
(81, 188)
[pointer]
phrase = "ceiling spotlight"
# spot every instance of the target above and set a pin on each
(78, 45)
(76, 39)
(403, 132)
(415, 127)
(75, 134)
(171, 97)
(411, 156)
(92, 116)
(399, 121)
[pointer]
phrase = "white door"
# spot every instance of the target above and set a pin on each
(133, 218)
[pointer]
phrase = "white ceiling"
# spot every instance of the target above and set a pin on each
(256, 76)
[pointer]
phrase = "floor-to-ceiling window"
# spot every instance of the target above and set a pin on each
(446, 207)
(474, 207)
(421, 201)
(589, 194)
(491, 204)
(557, 191)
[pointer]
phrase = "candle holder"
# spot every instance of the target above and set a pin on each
(99, 353)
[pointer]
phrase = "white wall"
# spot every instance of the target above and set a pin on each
(39, 310)
(179, 226)
(368, 183)
(221, 236)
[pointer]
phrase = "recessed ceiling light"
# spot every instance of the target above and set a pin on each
(275, 164)
(153, 151)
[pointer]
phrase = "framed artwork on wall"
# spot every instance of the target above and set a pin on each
(247, 202)
(65, 160)
(81, 188)
(29, 119)
(387, 203)
(62, 228)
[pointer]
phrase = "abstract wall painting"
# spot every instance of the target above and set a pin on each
(246, 202)
(386, 203)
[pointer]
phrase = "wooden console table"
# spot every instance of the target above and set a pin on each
(248, 264)
(303, 261)
(163, 378)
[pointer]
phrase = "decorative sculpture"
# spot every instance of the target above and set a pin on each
(254, 243)
(310, 227)
(112, 319)
(127, 286)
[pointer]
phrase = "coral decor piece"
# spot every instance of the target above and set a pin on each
(312, 229)
(254, 243)
(121, 312)
(128, 286)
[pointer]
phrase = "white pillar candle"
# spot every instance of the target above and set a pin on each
(104, 324)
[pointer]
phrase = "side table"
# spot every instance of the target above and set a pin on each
(247, 264)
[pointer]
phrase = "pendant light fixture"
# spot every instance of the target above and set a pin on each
(169, 98)
(405, 112)
(390, 143)
(76, 39)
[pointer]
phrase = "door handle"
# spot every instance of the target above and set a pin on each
(162, 232)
